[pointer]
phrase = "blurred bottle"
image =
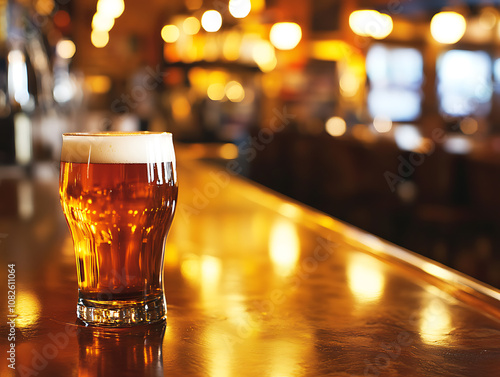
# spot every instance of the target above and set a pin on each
(25, 81)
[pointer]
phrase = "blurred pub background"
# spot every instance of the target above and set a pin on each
(382, 113)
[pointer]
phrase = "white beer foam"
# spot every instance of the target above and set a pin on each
(114, 148)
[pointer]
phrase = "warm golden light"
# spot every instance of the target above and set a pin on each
(291, 211)
(111, 8)
(217, 77)
(170, 33)
(370, 23)
(198, 77)
(216, 91)
(333, 50)
(382, 124)
(65, 49)
(272, 84)
(228, 151)
(488, 18)
(448, 27)
(435, 322)
(211, 48)
(25, 200)
(438, 271)
(285, 35)
(239, 8)
(264, 55)
(210, 272)
(365, 279)
(190, 269)
(99, 38)
(234, 91)
(194, 4)
(171, 255)
(231, 46)
(181, 108)
(44, 7)
(170, 53)
(203, 270)
(102, 22)
(22, 140)
(98, 84)
(469, 126)
(284, 246)
(211, 21)
(349, 84)
(258, 5)
(220, 361)
(28, 309)
(191, 26)
(188, 49)
(335, 126)
(287, 357)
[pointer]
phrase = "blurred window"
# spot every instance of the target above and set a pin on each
(464, 83)
(395, 75)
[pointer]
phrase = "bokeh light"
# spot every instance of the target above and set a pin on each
(408, 137)
(435, 322)
(284, 246)
(370, 23)
(240, 8)
(469, 126)
(99, 38)
(349, 84)
(264, 55)
(335, 126)
(448, 27)
(44, 7)
(231, 46)
(62, 19)
(98, 84)
(111, 8)
(211, 21)
(181, 108)
(488, 18)
(285, 35)
(191, 25)
(382, 124)
(170, 33)
(216, 91)
(102, 22)
(234, 91)
(365, 277)
(65, 49)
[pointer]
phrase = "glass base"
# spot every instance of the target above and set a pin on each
(121, 313)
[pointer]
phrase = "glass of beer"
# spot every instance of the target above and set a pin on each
(118, 193)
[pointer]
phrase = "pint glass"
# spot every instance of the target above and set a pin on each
(118, 193)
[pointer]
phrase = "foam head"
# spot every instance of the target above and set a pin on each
(118, 148)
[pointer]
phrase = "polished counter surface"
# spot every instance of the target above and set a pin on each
(256, 285)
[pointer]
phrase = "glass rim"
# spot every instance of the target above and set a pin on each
(116, 133)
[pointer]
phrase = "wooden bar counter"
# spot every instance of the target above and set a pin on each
(256, 285)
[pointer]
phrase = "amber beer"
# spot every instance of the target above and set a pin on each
(118, 194)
